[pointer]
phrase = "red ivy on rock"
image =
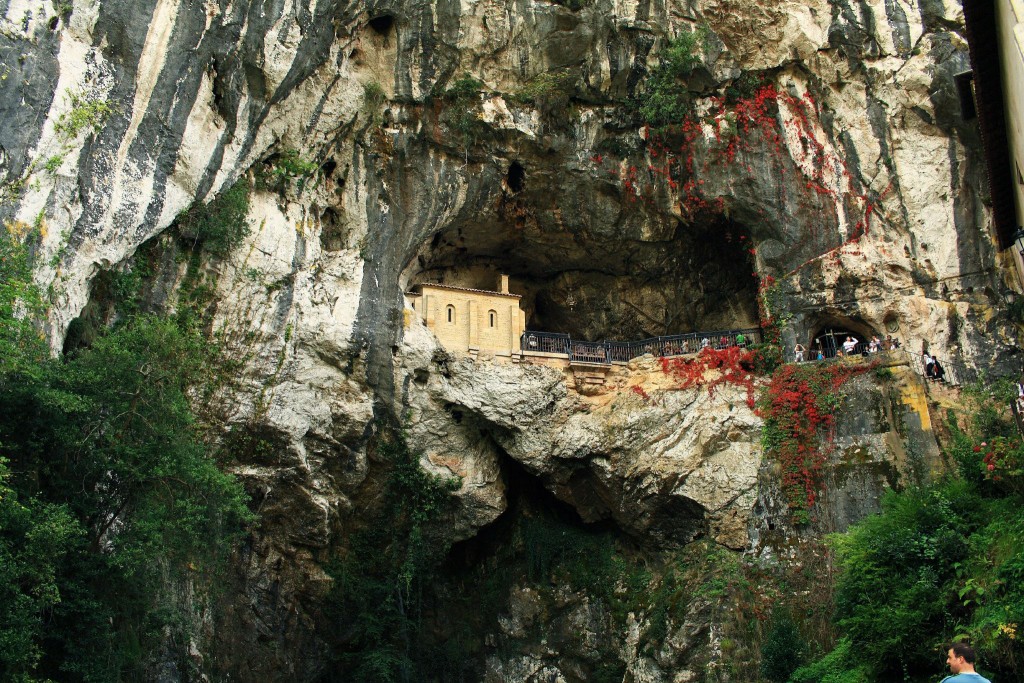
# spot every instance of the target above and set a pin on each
(798, 408)
(731, 134)
(733, 365)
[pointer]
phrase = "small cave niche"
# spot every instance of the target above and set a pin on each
(328, 168)
(333, 230)
(891, 322)
(382, 24)
(699, 278)
(516, 177)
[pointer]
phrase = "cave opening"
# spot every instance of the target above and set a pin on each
(830, 336)
(516, 178)
(693, 277)
(382, 24)
(527, 499)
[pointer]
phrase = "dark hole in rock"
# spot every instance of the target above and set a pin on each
(329, 167)
(53, 23)
(536, 539)
(382, 24)
(333, 232)
(516, 177)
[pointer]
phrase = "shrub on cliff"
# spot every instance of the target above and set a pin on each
(940, 562)
(666, 99)
(220, 225)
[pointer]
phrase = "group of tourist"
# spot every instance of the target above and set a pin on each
(685, 346)
(849, 347)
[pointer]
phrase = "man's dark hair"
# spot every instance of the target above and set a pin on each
(963, 650)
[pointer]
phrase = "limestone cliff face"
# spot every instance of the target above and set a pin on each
(858, 186)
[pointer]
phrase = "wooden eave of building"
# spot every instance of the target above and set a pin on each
(417, 290)
(983, 39)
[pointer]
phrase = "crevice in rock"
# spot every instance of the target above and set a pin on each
(516, 177)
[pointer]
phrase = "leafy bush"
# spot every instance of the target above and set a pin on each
(783, 648)
(220, 225)
(546, 87)
(85, 112)
(463, 89)
(463, 114)
(838, 666)
(373, 95)
(380, 580)
(666, 99)
(35, 539)
(914, 548)
(939, 563)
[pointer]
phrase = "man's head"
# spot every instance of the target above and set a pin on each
(960, 658)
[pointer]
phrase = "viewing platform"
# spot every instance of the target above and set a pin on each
(605, 353)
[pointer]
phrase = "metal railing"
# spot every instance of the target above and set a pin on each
(953, 372)
(606, 352)
(545, 342)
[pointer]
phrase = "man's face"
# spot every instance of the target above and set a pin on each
(953, 662)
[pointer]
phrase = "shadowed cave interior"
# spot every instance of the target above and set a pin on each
(700, 278)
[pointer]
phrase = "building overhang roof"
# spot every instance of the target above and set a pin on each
(983, 38)
(453, 288)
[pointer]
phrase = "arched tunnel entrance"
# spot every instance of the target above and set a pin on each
(699, 276)
(833, 337)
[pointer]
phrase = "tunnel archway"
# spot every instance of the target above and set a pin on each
(830, 335)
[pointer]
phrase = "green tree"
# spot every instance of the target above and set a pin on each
(107, 493)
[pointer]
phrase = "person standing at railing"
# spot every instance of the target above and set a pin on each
(929, 366)
(850, 345)
(875, 345)
(798, 352)
(741, 341)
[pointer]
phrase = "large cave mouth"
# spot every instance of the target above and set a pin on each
(697, 276)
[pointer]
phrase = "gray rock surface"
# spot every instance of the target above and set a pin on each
(188, 97)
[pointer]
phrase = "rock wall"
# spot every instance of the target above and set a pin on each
(857, 186)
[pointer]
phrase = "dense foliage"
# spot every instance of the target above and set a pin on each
(939, 563)
(666, 99)
(222, 223)
(108, 499)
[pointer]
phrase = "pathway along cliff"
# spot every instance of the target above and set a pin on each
(229, 200)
